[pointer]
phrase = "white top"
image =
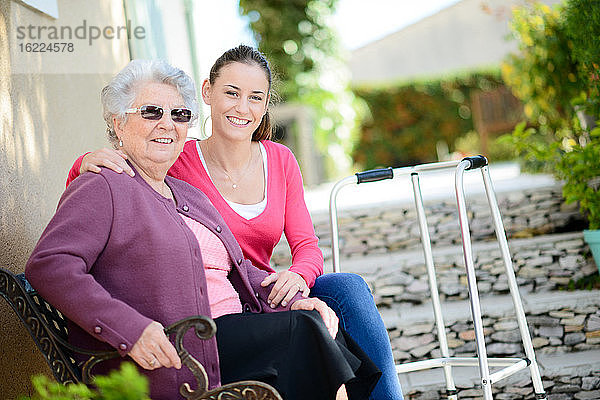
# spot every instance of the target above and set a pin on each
(247, 211)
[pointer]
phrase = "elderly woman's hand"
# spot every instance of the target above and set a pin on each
(153, 349)
(287, 284)
(108, 158)
(331, 320)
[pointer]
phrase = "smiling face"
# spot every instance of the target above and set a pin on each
(238, 99)
(153, 145)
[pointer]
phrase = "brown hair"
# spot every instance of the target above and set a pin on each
(247, 55)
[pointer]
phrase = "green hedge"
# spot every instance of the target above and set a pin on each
(405, 121)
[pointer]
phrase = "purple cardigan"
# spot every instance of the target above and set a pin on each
(116, 256)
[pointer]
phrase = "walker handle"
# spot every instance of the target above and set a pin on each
(374, 175)
(476, 162)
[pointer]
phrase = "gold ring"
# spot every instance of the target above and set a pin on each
(152, 362)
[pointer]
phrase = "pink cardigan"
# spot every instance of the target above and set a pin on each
(285, 212)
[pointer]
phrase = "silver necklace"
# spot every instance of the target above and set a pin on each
(234, 184)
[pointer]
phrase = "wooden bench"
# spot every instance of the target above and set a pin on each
(48, 329)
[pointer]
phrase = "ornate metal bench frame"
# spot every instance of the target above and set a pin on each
(48, 329)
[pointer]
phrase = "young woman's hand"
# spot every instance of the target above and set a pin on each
(153, 349)
(287, 284)
(331, 320)
(108, 158)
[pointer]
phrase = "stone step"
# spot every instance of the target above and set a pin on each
(542, 263)
(582, 363)
(406, 315)
(560, 323)
(375, 263)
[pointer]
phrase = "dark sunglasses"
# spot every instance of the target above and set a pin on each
(155, 113)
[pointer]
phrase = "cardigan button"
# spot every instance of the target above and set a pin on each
(123, 346)
(98, 330)
(218, 228)
(185, 208)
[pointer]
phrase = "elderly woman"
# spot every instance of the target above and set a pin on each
(122, 257)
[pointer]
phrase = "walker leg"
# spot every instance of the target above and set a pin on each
(512, 284)
(435, 296)
(484, 369)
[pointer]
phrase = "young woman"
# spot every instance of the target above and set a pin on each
(257, 187)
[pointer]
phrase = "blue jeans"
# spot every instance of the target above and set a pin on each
(351, 299)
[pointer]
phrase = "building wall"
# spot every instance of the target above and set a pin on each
(466, 35)
(47, 119)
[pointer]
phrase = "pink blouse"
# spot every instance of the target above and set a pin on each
(222, 297)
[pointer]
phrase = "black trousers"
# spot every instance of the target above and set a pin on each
(293, 352)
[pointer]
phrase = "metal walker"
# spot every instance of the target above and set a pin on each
(509, 365)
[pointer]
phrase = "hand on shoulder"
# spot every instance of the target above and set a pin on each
(108, 158)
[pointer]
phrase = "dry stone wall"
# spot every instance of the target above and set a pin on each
(541, 264)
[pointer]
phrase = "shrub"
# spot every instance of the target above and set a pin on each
(556, 76)
(580, 169)
(543, 74)
(582, 24)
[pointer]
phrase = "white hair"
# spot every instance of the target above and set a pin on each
(121, 91)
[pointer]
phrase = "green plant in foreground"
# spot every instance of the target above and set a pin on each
(123, 384)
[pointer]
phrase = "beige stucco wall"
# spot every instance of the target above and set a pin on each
(46, 120)
(466, 35)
